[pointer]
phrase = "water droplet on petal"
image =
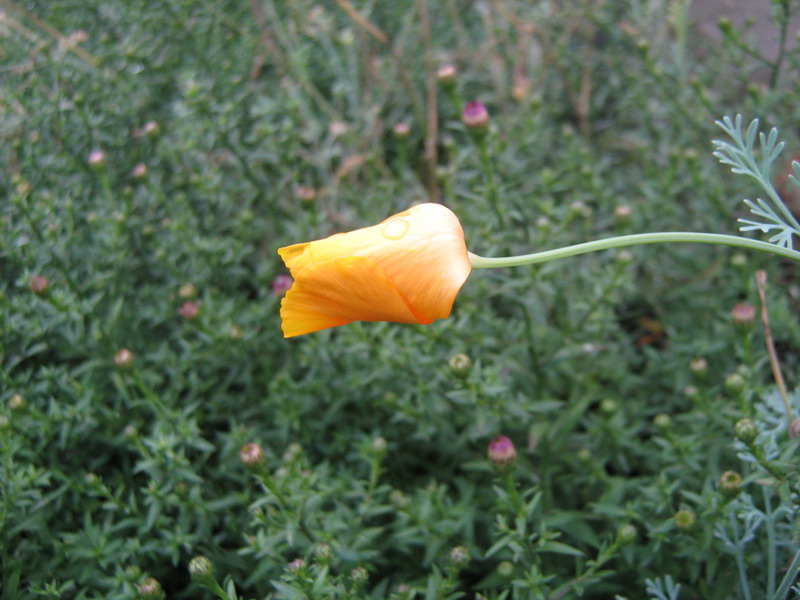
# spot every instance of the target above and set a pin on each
(395, 229)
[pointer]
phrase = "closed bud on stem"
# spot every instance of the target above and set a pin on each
(699, 366)
(475, 117)
(189, 310)
(149, 589)
(746, 431)
(734, 384)
(743, 315)
(16, 402)
(401, 130)
(39, 285)
(684, 519)
(359, 576)
(124, 359)
(201, 570)
(662, 422)
(730, 483)
(297, 565)
(139, 171)
(626, 534)
(609, 406)
(251, 455)
(281, 284)
(502, 451)
(305, 193)
(460, 364)
(187, 291)
(447, 74)
(323, 552)
(96, 159)
(459, 556)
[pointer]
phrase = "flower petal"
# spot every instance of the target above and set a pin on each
(339, 292)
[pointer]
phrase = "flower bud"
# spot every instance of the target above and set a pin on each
(460, 364)
(623, 214)
(379, 445)
(684, 519)
(201, 570)
(730, 483)
(5, 422)
(96, 159)
(189, 310)
(39, 285)
(459, 556)
(16, 402)
(151, 129)
(281, 284)
(149, 589)
(662, 422)
(734, 383)
(447, 74)
(699, 366)
(236, 332)
(475, 117)
(139, 171)
(505, 568)
(187, 291)
(746, 431)
(123, 359)
(502, 451)
(401, 130)
(305, 193)
(743, 315)
(251, 455)
(323, 552)
(298, 564)
(626, 534)
(609, 406)
(359, 576)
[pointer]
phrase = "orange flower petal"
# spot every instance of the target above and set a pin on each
(407, 269)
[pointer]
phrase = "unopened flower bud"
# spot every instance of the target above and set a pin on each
(139, 171)
(699, 366)
(662, 422)
(746, 431)
(130, 431)
(684, 519)
(401, 130)
(123, 359)
(201, 570)
(743, 314)
(251, 455)
(281, 284)
(609, 406)
(151, 129)
(149, 589)
(187, 291)
(623, 214)
(305, 193)
(505, 568)
(734, 383)
(189, 310)
(236, 332)
(379, 444)
(447, 74)
(16, 402)
(323, 552)
(97, 159)
(475, 117)
(459, 556)
(296, 565)
(502, 451)
(5, 422)
(359, 576)
(730, 483)
(626, 534)
(39, 285)
(460, 364)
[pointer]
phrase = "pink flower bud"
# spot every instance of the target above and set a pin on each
(39, 285)
(139, 171)
(281, 284)
(743, 314)
(189, 310)
(446, 74)
(96, 159)
(475, 116)
(502, 451)
(251, 455)
(123, 358)
(401, 130)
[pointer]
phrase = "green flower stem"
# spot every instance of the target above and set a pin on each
(481, 262)
(789, 578)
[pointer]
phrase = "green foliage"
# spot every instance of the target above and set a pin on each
(182, 142)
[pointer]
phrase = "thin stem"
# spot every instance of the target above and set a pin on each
(481, 262)
(737, 552)
(488, 173)
(761, 281)
(788, 579)
(771, 543)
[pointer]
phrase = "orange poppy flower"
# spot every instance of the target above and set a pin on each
(407, 269)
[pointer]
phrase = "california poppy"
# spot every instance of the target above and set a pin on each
(407, 269)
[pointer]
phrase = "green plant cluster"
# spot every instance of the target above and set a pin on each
(160, 438)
